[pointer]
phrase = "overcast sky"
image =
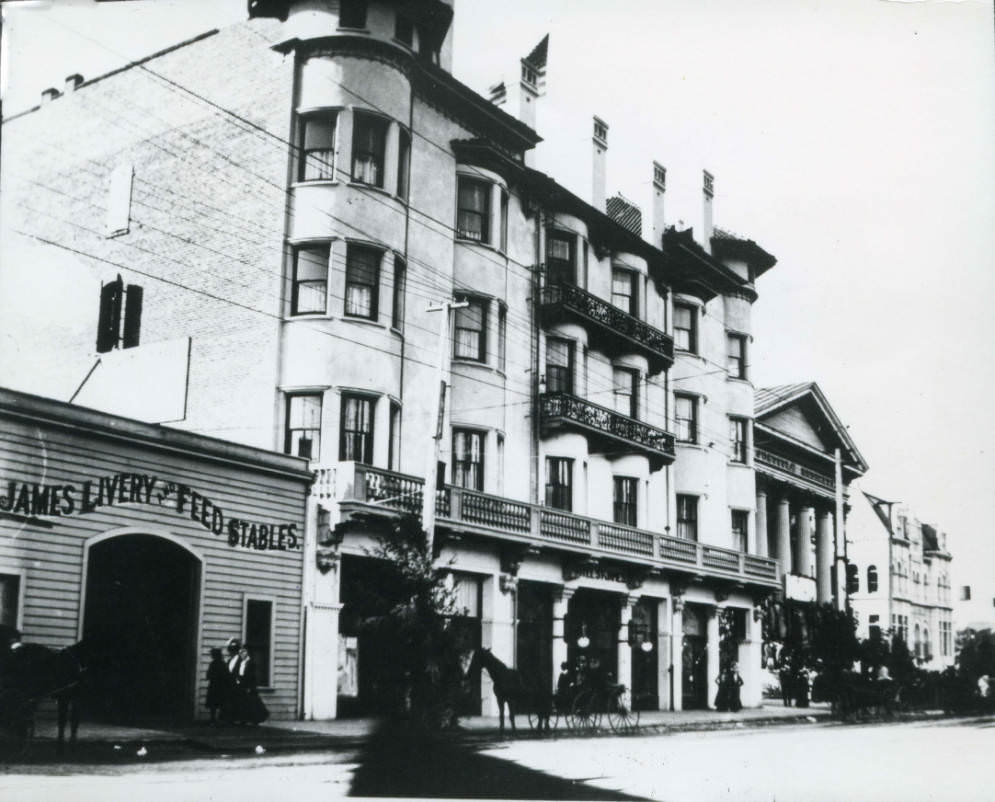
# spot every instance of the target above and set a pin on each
(852, 139)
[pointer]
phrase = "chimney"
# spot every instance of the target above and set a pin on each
(72, 82)
(659, 190)
(498, 94)
(708, 189)
(598, 171)
(528, 93)
(48, 95)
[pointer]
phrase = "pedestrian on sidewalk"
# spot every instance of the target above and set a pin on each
(251, 707)
(218, 685)
(732, 693)
(231, 707)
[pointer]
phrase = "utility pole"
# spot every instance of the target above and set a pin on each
(432, 458)
(840, 545)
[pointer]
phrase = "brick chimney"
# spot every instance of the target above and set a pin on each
(599, 176)
(708, 192)
(659, 190)
(72, 83)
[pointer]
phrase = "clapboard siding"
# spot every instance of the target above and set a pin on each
(251, 486)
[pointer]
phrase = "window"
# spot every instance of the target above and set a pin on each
(559, 483)
(874, 627)
(352, 13)
(404, 30)
(394, 453)
(468, 459)
(872, 578)
(529, 74)
(473, 209)
(686, 417)
(362, 281)
(687, 517)
(736, 356)
(624, 293)
(356, 431)
(10, 600)
(310, 283)
(397, 300)
(965, 593)
(502, 337)
(946, 639)
(740, 528)
(626, 392)
(559, 365)
(115, 330)
(685, 328)
(317, 148)
(560, 252)
(504, 221)
(303, 426)
(625, 491)
(369, 141)
(258, 637)
(403, 163)
(470, 330)
(737, 439)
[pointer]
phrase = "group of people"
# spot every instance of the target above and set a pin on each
(728, 696)
(232, 688)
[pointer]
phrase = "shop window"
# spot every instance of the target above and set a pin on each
(624, 290)
(872, 578)
(559, 483)
(740, 528)
(470, 330)
(403, 163)
(625, 493)
(362, 281)
(317, 147)
(404, 30)
(685, 328)
(468, 459)
(559, 365)
(737, 439)
(687, 517)
(114, 329)
(310, 281)
(352, 13)
(736, 356)
(303, 426)
(10, 600)
(626, 391)
(258, 638)
(397, 300)
(369, 143)
(356, 428)
(686, 418)
(473, 211)
(561, 250)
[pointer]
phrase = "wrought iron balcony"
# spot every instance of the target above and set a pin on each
(359, 488)
(781, 468)
(610, 329)
(606, 429)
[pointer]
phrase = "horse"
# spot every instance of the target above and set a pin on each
(512, 690)
(30, 672)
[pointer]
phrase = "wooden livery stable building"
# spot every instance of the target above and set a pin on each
(155, 544)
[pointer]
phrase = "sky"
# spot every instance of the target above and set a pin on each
(852, 139)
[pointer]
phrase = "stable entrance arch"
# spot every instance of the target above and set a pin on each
(141, 622)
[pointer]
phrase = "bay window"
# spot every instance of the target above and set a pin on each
(310, 280)
(369, 143)
(470, 330)
(362, 281)
(473, 209)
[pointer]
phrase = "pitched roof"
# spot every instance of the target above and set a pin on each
(537, 58)
(767, 398)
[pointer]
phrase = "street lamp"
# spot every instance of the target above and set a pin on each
(583, 641)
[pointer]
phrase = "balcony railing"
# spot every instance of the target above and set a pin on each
(613, 328)
(614, 431)
(820, 480)
(363, 488)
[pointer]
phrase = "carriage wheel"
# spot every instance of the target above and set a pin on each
(16, 724)
(620, 716)
(584, 714)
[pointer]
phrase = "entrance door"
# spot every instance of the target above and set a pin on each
(694, 660)
(141, 621)
(596, 616)
(643, 635)
(534, 636)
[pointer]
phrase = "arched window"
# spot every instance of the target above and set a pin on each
(872, 578)
(918, 642)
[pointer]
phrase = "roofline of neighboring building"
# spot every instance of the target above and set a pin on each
(856, 470)
(730, 245)
(17, 404)
(691, 258)
(137, 63)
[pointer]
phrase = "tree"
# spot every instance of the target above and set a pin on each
(976, 653)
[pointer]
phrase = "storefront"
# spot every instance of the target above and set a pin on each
(154, 545)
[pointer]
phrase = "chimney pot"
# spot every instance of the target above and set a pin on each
(48, 95)
(72, 82)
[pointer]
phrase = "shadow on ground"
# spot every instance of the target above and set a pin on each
(400, 762)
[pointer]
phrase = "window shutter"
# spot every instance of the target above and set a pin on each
(132, 316)
(119, 201)
(109, 322)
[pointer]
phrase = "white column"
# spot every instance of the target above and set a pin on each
(677, 651)
(750, 655)
(662, 646)
(824, 557)
(807, 514)
(712, 651)
(561, 602)
(784, 534)
(392, 146)
(624, 650)
(761, 524)
(321, 628)
(497, 632)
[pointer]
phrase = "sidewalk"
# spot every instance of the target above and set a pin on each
(289, 736)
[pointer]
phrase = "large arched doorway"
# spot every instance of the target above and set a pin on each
(140, 620)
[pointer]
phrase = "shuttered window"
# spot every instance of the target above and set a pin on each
(115, 329)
